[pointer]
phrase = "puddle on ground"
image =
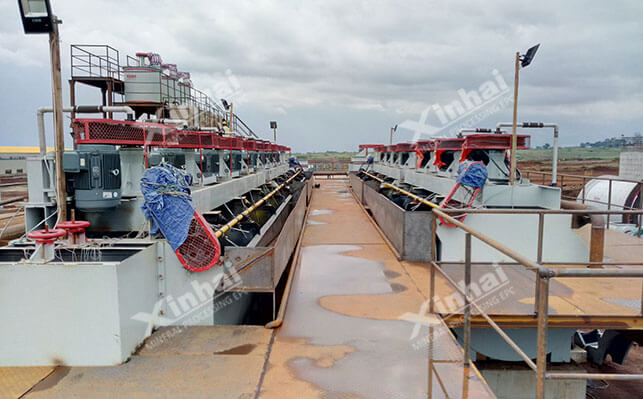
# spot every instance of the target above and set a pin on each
(318, 212)
(634, 304)
(237, 350)
(391, 274)
(314, 222)
(387, 361)
(52, 379)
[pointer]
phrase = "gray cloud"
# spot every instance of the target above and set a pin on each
(336, 74)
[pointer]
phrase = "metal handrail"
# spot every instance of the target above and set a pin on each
(95, 65)
(544, 274)
(528, 171)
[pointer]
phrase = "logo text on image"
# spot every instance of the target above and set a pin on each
(487, 284)
(201, 294)
(467, 105)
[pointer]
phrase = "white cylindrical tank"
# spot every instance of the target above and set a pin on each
(625, 195)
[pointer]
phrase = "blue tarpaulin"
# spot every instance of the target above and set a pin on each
(472, 174)
(167, 202)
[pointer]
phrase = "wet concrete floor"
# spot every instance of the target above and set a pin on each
(350, 327)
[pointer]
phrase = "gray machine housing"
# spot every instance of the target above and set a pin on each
(93, 173)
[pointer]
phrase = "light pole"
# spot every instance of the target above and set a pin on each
(273, 126)
(393, 130)
(524, 61)
(37, 18)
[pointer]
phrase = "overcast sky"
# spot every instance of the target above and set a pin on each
(335, 74)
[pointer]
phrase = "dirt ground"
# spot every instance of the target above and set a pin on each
(617, 389)
(571, 185)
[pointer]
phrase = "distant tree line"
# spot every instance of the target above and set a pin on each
(615, 142)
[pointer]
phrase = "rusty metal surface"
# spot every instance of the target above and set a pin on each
(409, 232)
(349, 328)
(196, 362)
(357, 185)
(388, 215)
(287, 239)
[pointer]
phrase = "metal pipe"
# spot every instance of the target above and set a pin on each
(415, 197)
(88, 109)
(254, 206)
(492, 323)
(467, 306)
(11, 200)
(583, 272)
(434, 258)
(543, 211)
(554, 167)
(541, 357)
(597, 236)
(181, 122)
(592, 376)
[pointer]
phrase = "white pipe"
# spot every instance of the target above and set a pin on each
(40, 116)
(181, 122)
(554, 169)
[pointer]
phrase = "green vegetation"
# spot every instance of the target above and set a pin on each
(570, 154)
(324, 155)
(537, 154)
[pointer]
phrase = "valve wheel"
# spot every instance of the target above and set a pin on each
(46, 235)
(73, 226)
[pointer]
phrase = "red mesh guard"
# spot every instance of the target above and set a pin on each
(125, 133)
(200, 250)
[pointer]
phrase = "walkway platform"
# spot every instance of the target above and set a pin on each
(346, 333)
(354, 328)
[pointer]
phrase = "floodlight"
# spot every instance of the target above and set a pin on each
(526, 59)
(36, 16)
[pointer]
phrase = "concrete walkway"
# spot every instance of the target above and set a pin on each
(346, 332)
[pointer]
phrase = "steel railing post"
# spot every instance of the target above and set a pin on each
(467, 305)
(541, 228)
(640, 217)
(541, 359)
(541, 224)
(434, 258)
(609, 203)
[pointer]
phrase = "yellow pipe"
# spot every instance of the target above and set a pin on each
(254, 206)
(415, 197)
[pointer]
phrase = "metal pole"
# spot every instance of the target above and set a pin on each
(514, 137)
(274, 131)
(391, 138)
(640, 217)
(254, 206)
(541, 228)
(554, 168)
(467, 306)
(541, 359)
(609, 203)
(434, 258)
(583, 195)
(59, 138)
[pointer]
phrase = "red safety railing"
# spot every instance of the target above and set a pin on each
(116, 132)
